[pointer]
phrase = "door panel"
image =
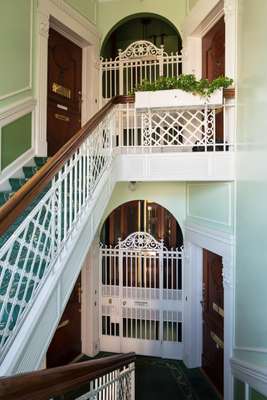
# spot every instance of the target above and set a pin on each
(64, 90)
(213, 63)
(66, 343)
(213, 318)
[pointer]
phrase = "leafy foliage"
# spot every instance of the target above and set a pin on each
(188, 83)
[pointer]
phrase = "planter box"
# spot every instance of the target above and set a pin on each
(175, 98)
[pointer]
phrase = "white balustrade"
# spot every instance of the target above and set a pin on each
(173, 129)
(142, 60)
(29, 254)
(116, 385)
(44, 231)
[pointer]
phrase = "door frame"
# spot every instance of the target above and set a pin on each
(64, 19)
(202, 17)
(197, 238)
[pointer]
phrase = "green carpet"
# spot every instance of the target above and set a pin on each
(158, 378)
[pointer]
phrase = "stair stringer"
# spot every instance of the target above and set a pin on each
(30, 345)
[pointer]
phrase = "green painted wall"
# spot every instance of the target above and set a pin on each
(87, 8)
(15, 140)
(210, 204)
(15, 50)
(113, 11)
(254, 395)
(171, 195)
(239, 390)
(251, 220)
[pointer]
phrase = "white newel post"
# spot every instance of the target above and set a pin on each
(41, 84)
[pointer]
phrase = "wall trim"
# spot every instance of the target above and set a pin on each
(250, 374)
(230, 216)
(16, 110)
(8, 115)
(29, 86)
(251, 349)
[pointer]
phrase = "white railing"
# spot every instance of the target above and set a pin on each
(31, 251)
(188, 129)
(116, 385)
(28, 256)
(141, 60)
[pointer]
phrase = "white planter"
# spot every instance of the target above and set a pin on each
(175, 98)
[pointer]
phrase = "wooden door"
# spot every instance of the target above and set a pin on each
(66, 343)
(213, 318)
(213, 63)
(64, 90)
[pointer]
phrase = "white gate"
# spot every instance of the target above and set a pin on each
(141, 298)
(142, 60)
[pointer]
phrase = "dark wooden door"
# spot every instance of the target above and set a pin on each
(213, 63)
(213, 317)
(64, 90)
(66, 343)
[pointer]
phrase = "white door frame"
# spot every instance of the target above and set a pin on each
(68, 22)
(197, 238)
(203, 16)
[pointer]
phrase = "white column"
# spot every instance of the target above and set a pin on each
(41, 84)
(90, 306)
(192, 56)
(192, 281)
(228, 284)
(230, 18)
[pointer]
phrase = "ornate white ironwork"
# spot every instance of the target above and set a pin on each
(27, 257)
(116, 385)
(141, 241)
(178, 127)
(140, 49)
(141, 60)
(28, 253)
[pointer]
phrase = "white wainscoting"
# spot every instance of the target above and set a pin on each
(175, 167)
(251, 374)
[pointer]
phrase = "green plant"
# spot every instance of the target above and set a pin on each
(188, 83)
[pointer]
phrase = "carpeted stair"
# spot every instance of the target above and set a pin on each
(17, 183)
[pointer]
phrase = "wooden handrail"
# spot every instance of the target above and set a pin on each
(13, 208)
(47, 383)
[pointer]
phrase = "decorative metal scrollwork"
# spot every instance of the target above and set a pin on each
(141, 241)
(140, 49)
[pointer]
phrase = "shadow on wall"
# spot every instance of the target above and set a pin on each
(152, 27)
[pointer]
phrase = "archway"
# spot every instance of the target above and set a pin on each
(142, 215)
(142, 26)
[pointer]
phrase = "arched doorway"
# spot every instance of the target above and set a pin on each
(141, 281)
(142, 215)
(143, 26)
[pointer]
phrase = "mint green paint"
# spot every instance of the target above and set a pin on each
(251, 220)
(87, 8)
(239, 390)
(15, 140)
(15, 46)
(210, 204)
(111, 12)
(192, 3)
(254, 395)
(171, 195)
